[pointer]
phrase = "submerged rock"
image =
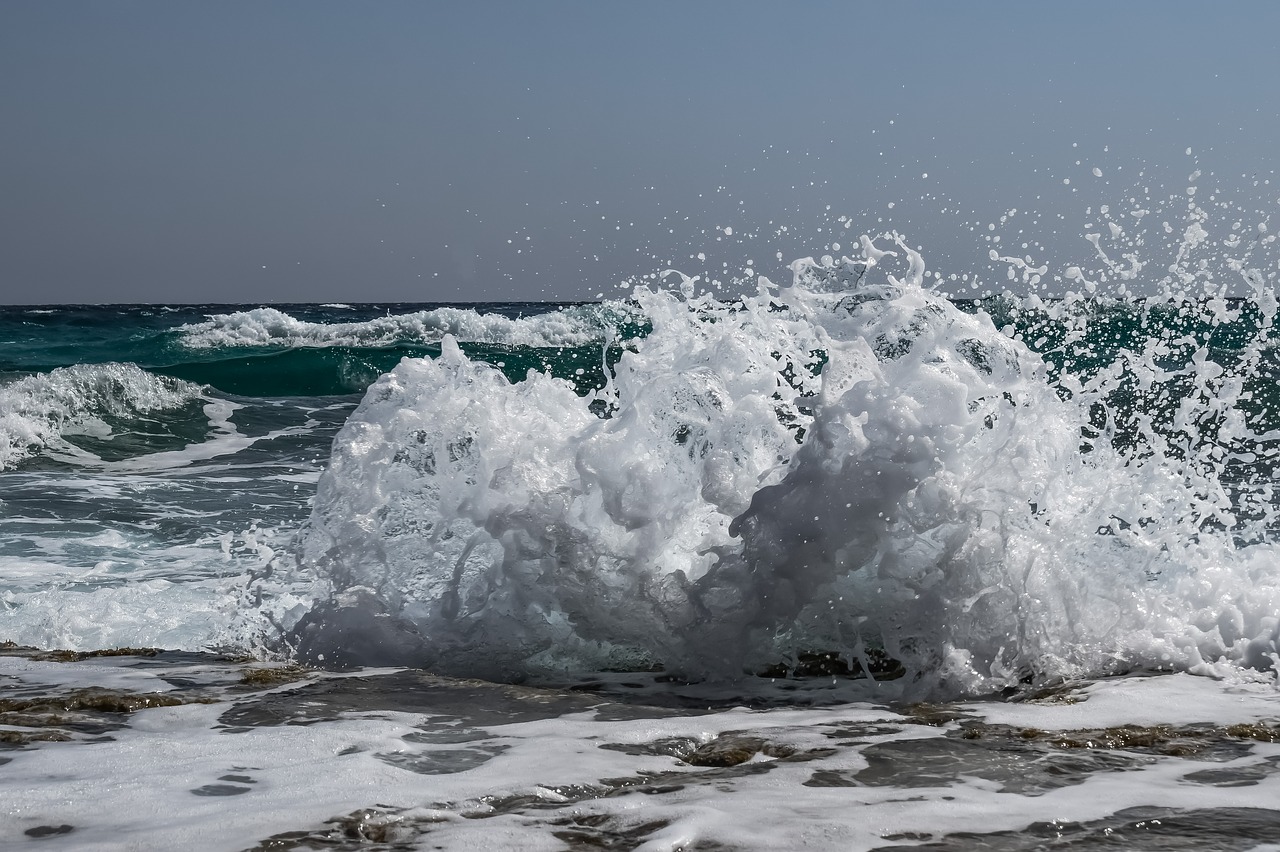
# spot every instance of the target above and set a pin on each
(732, 749)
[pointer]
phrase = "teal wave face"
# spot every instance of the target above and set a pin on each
(335, 371)
(291, 372)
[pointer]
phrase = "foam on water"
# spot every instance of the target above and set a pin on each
(147, 613)
(410, 760)
(147, 546)
(132, 586)
(570, 326)
(37, 411)
(848, 463)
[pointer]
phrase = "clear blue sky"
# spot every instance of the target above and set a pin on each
(161, 150)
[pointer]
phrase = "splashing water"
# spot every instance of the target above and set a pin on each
(851, 463)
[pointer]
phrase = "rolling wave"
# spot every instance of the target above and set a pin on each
(569, 326)
(38, 412)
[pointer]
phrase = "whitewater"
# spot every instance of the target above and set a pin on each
(838, 562)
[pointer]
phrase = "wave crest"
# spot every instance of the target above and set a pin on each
(36, 411)
(571, 326)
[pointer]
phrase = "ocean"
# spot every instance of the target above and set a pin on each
(840, 562)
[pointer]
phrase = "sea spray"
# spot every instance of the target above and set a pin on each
(847, 464)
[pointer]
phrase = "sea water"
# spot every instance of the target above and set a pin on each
(839, 562)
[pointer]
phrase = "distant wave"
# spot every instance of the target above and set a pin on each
(36, 411)
(573, 326)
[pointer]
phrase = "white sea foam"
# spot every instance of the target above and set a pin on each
(36, 411)
(924, 494)
(474, 767)
(572, 326)
(140, 613)
(131, 588)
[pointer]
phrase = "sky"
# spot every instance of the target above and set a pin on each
(315, 151)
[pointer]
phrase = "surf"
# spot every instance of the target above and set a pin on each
(848, 464)
(42, 414)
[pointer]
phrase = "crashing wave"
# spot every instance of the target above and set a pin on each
(848, 464)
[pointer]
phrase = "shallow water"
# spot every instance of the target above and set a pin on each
(239, 755)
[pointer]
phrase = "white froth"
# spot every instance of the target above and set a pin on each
(36, 411)
(573, 326)
(924, 494)
(142, 613)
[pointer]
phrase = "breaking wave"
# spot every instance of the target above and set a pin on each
(850, 464)
(38, 412)
(569, 326)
